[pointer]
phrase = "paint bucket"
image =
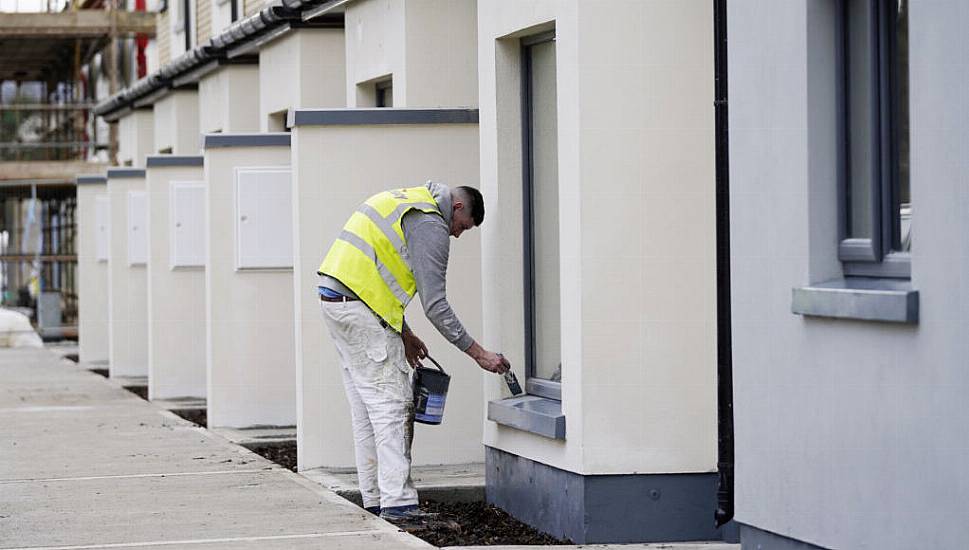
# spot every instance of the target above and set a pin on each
(430, 393)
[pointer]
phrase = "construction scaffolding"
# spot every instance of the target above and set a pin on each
(54, 67)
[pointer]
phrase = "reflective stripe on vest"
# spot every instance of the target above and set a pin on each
(369, 256)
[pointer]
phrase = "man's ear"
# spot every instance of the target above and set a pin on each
(457, 205)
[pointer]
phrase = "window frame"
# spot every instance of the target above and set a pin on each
(875, 256)
(534, 386)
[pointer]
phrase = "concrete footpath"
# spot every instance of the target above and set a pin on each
(85, 464)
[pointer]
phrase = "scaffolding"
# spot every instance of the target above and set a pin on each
(54, 67)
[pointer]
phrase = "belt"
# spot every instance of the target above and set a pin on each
(337, 299)
(383, 324)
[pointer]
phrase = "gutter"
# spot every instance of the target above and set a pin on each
(229, 44)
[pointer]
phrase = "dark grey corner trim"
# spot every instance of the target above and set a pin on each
(865, 299)
(90, 179)
(216, 141)
(174, 160)
(116, 173)
(530, 413)
(359, 117)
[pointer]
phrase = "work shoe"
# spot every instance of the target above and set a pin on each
(406, 514)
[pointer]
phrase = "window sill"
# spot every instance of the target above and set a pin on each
(530, 413)
(864, 299)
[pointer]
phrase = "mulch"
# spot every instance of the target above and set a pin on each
(474, 524)
(283, 454)
(195, 416)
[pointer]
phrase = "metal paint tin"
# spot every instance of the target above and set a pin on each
(430, 393)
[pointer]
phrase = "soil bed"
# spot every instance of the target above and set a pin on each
(102, 372)
(283, 454)
(474, 524)
(140, 391)
(195, 416)
(455, 523)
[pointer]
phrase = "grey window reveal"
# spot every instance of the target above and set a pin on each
(541, 210)
(877, 211)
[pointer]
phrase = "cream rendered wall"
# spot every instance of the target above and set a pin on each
(637, 255)
(250, 358)
(127, 289)
(136, 137)
(303, 68)
(177, 123)
(229, 100)
(428, 46)
(92, 279)
(335, 168)
(176, 298)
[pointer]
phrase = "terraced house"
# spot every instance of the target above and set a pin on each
(725, 248)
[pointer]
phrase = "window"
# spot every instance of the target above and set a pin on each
(877, 212)
(541, 226)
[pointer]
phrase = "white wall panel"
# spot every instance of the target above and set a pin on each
(137, 228)
(264, 218)
(187, 224)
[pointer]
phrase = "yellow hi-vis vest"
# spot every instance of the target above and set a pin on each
(368, 256)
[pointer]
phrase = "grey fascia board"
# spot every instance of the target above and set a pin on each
(115, 116)
(154, 161)
(216, 141)
(530, 413)
(859, 298)
(88, 179)
(150, 99)
(324, 9)
(194, 75)
(256, 44)
(358, 117)
(118, 173)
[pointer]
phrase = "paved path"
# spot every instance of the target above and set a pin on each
(85, 464)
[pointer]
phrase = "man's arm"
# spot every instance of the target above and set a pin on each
(428, 244)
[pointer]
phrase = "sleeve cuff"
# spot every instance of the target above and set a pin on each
(464, 342)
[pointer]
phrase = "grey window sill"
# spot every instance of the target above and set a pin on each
(860, 298)
(530, 413)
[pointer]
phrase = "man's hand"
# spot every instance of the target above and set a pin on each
(489, 361)
(414, 348)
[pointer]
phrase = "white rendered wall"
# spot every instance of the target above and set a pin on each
(250, 358)
(335, 169)
(636, 219)
(92, 278)
(849, 434)
(177, 123)
(303, 68)
(136, 136)
(428, 46)
(229, 100)
(176, 298)
(127, 290)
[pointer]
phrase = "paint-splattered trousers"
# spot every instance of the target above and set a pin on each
(379, 388)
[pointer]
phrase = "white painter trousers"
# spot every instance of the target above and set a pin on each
(378, 385)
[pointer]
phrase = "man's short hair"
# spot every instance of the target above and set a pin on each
(475, 202)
